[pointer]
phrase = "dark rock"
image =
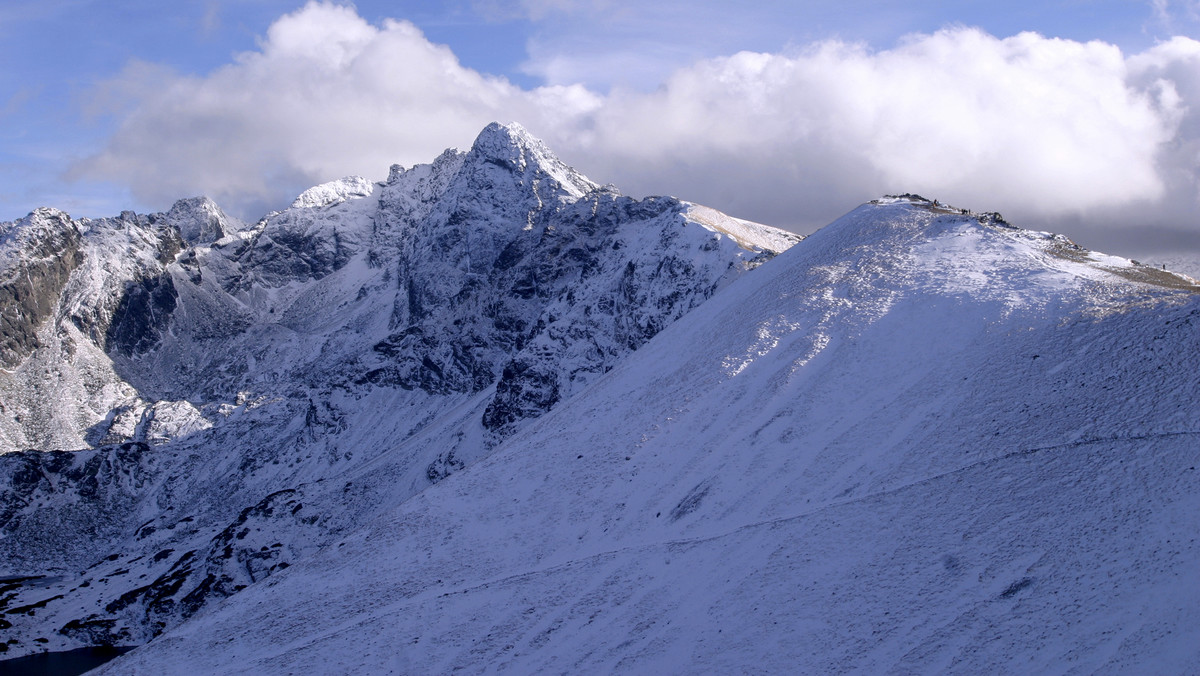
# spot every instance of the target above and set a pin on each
(29, 291)
(141, 316)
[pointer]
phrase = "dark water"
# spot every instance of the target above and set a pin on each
(32, 580)
(65, 663)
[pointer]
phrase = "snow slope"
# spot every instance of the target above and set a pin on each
(231, 398)
(921, 440)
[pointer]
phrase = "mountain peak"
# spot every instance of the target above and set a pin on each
(497, 135)
(929, 244)
(200, 220)
(511, 145)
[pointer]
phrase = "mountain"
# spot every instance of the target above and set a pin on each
(921, 440)
(190, 404)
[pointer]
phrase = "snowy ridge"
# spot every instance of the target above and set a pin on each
(248, 394)
(334, 192)
(747, 233)
(920, 440)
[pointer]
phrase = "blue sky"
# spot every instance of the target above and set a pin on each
(786, 112)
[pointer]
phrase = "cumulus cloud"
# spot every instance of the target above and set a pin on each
(1037, 127)
(1051, 126)
(1172, 71)
(326, 95)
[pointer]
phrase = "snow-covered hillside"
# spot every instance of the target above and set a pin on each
(920, 441)
(209, 402)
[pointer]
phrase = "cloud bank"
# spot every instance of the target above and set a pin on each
(1039, 128)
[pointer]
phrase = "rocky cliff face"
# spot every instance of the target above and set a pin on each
(236, 396)
(39, 253)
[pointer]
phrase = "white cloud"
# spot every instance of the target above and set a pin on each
(1039, 128)
(1051, 125)
(1173, 14)
(1171, 71)
(326, 95)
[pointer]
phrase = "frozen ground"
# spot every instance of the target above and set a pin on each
(919, 441)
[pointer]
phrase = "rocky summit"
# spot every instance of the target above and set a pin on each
(191, 403)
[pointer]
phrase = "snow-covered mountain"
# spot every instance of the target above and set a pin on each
(921, 440)
(206, 402)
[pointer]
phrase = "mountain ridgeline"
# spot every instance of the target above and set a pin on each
(920, 441)
(488, 415)
(171, 378)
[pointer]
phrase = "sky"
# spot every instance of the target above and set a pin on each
(1076, 116)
